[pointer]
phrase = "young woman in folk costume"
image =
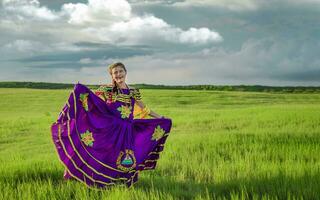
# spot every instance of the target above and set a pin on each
(107, 137)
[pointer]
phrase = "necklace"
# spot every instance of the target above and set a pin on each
(124, 88)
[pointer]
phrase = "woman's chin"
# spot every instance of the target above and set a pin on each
(120, 81)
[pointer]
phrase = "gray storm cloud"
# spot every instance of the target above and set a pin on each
(170, 42)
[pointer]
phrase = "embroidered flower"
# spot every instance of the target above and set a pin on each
(124, 111)
(158, 133)
(84, 100)
(87, 138)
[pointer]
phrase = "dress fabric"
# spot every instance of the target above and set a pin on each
(102, 138)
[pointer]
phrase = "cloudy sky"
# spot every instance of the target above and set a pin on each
(171, 42)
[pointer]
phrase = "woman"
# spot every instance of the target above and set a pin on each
(106, 138)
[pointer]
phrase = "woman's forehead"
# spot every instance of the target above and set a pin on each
(118, 68)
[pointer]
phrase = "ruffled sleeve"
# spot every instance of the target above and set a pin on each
(136, 95)
(103, 91)
(138, 112)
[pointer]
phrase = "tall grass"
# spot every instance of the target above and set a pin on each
(223, 145)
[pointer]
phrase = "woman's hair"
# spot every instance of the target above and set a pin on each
(117, 64)
(110, 67)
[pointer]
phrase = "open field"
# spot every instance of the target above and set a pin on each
(223, 145)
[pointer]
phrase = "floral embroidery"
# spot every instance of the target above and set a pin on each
(87, 138)
(158, 133)
(124, 111)
(126, 161)
(84, 100)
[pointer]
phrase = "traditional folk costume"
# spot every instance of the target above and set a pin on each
(104, 138)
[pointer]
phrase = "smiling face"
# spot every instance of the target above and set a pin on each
(118, 74)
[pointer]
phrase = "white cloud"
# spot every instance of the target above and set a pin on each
(152, 30)
(201, 36)
(97, 21)
(117, 24)
(97, 11)
(27, 9)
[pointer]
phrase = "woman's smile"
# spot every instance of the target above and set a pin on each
(118, 74)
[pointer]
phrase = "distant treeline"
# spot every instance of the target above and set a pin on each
(250, 88)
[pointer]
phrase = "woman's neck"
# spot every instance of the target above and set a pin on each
(122, 85)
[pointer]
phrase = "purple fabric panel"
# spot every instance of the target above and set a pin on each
(99, 146)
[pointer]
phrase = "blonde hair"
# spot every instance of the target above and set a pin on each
(114, 65)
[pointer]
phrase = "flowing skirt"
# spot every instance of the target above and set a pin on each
(99, 148)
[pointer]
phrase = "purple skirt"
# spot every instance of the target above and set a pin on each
(100, 148)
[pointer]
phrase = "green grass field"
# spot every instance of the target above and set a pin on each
(223, 145)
